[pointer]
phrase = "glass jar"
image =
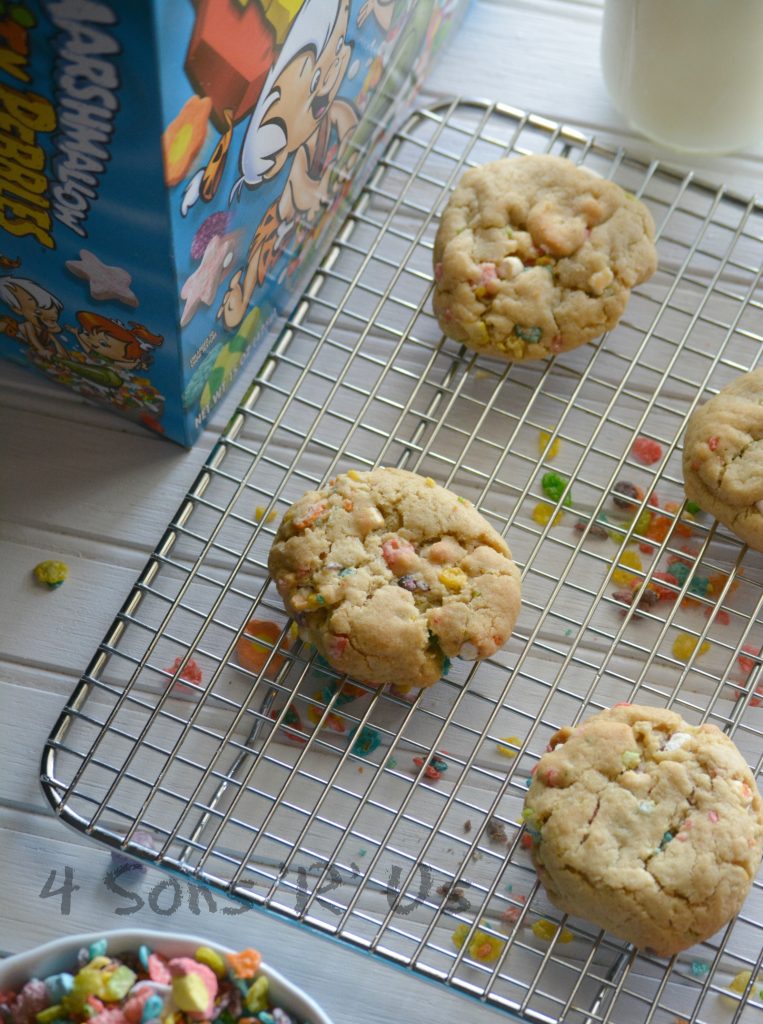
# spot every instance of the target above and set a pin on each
(687, 73)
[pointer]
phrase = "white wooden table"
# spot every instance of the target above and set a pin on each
(83, 486)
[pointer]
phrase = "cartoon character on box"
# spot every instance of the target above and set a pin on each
(38, 311)
(297, 115)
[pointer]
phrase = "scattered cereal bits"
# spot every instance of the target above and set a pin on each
(507, 751)
(183, 138)
(191, 673)
(685, 645)
(543, 439)
(553, 485)
(544, 513)
(51, 574)
(621, 576)
(252, 654)
(625, 495)
(547, 931)
(646, 451)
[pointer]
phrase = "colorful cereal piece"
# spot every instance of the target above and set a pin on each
(253, 655)
(625, 494)
(506, 751)
(51, 574)
(366, 741)
(646, 451)
(246, 963)
(627, 560)
(553, 487)
(191, 674)
(547, 931)
(543, 513)
(543, 439)
(685, 645)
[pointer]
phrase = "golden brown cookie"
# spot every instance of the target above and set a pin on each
(535, 256)
(646, 826)
(723, 457)
(389, 575)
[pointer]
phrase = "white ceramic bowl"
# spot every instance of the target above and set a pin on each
(61, 955)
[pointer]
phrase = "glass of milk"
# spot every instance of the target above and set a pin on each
(687, 73)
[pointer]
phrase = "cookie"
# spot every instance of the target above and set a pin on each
(535, 256)
(723, 457)
(646, 826)
(390, 575)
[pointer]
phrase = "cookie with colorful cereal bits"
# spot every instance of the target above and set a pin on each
(535, 256)
(645, 825)
(390, 575)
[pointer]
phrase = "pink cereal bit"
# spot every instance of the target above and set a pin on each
(747, 664)
(646, 451)
(399, 554)
(337, 645)
(551, 777)
(713, 443)
(158, 970)
(556, 344)
(438, 271)
(133, 1008)
(526, 841)
(191, 674)
(713, 816)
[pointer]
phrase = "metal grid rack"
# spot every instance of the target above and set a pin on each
(264, 784)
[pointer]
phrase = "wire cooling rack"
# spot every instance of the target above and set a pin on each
(287, 789)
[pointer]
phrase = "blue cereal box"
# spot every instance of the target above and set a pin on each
(171, 172)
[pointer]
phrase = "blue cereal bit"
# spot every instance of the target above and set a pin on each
(97, 948)
(666, 838)
(445, 666)
(143, 954)
(152, 1008)
(438, 764)
(266, 1018)
(57, 986)
(679, 571)
(346, 572)
(699, 586)
(531, 334)
(699, 968)
(365, 742)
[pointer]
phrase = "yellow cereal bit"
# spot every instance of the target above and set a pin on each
(51, 574)
(505, 751)
(543, 512)
(627, 560)
(485, 948)
(429, 481)
(543, 438)
(546, 930)
(459, 935)
(738, 984)
(478, 333)
(315, 601)
(353, 474)
(453, 579)
(259, 512)
(211, 959)
(684, 646)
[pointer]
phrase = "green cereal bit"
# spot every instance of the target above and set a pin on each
(631, 758)
(530, 334)
(693, 508)
(553, 485)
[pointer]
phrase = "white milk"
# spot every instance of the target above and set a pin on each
(688, 73)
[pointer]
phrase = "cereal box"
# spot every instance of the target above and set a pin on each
(171, 172)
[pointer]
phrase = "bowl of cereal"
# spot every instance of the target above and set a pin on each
(146, 977)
